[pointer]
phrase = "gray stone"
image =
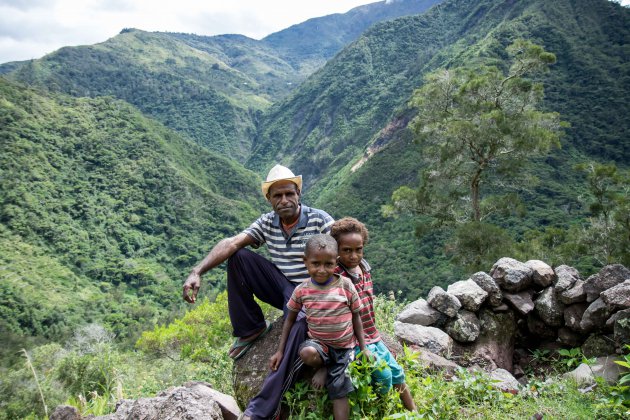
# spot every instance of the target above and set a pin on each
(65, 412)
(505, 381)
(549, 308)
(617, 297)
(496, 338)
(605, 367)
(491, 287)
(436, 363)
(501, 308)
(511, 275)
(575, 294)
(582, 375)
(433, 339)
(419, 312)
(464, 327)
(566, 278)
(539, 328)
(595, 316)
(609, 276)
(569, 337)
(621, 328)
(470, 295)
(542, 273)
(521, 301)
(623, 314)
(573, 315)
(598, 345)
(444, 302)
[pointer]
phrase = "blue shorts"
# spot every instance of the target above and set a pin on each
(387, 376)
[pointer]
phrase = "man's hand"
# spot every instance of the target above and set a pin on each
(191, 287)
(274, 361)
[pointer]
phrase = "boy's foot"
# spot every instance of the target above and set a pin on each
(319, 379)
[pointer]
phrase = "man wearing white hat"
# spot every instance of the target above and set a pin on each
(285, 230)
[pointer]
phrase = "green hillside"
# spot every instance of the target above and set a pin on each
(103, 212)
(355, 109)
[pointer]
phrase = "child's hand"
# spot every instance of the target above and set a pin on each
(368, 354)
(274, 361)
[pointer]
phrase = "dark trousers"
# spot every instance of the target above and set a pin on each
(251, 275)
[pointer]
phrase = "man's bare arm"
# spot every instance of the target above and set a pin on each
(223, 250)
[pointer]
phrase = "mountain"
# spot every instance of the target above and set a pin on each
(103, 211)
(307, 46)
(345, 129)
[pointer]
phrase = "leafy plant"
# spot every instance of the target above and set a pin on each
(571, 358)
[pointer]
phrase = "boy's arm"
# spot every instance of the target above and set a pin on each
(357, 324)
(274, 361)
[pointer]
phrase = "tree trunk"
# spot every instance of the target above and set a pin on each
(474, 194)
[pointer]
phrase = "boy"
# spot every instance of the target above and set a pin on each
(351, 236)
(332, 306)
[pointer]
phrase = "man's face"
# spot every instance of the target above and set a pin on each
(285, 198)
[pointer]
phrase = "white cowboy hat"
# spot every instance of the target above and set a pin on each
(280, 173)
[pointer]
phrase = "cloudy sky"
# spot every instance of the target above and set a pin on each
(33, 28)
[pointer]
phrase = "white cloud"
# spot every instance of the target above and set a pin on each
(33, 28)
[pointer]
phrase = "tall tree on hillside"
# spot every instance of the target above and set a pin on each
(473, 122)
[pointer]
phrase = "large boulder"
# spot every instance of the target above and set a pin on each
(511, 275)
(433, 339)
(565, 278)
(549, 308)
(595, 316)
(443, 301)
(609, 276)
(598, 345)
(496, 339)
(419, 312)
(470, 295)
(542, 273)
(504, 380)
(194, 400)
(573, 315)
(575, 294)
(464, 327)
(617, 297)
(487, 283)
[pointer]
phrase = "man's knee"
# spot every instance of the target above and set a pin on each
(310, 356)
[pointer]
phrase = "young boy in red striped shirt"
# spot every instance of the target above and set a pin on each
(332, 306)
(351, 236)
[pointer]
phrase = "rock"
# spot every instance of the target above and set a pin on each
(582, 375)
(511, 275)
(609, 276)
(464, 327)
(195, 401)
(539, 328)
(419, 312)
(595, 316)
(65, 412)
(542, 273)
(598, 345)
(506, 382)
(433, 339)
(575, 294)
(617, 297)
(566, 278)
(491, 287)
(501, 308)
(621, 329)
(250, 371)
(569, 337)
(470, 295)
(549, 308)
(521, 301)
(605, 367)
(444, 302)
(573, 315)
(436, 363)
(496, 339)
(623, 314)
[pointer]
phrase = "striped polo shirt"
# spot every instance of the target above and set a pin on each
(287, 250)
(363, 284)
(329, 310)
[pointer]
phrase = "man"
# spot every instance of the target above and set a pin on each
(285, 230)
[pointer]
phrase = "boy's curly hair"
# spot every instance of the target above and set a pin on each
(349, 225)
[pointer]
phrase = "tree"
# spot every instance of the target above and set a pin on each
(476, 121)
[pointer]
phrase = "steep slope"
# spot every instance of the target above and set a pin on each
(354, 111)
(307, 46)
(103, 212)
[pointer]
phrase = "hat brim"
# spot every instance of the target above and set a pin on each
(297, 180)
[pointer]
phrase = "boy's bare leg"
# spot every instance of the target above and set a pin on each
(311, 358)
(341, 409)
(405, 396)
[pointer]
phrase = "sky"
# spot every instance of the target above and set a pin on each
(33, 28)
